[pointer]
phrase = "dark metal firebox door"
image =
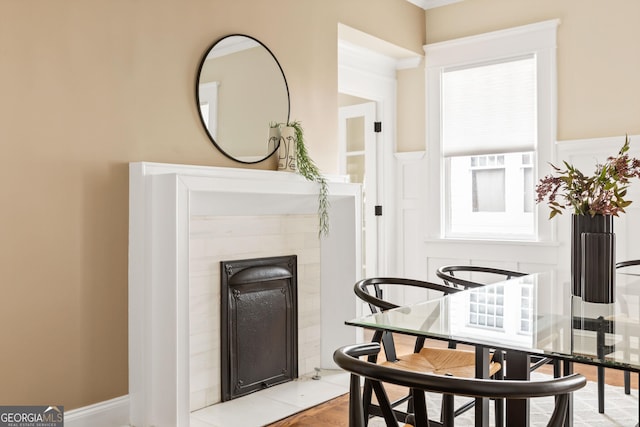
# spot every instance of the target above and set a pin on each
(259, 324)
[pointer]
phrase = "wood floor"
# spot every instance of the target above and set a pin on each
(335, 412)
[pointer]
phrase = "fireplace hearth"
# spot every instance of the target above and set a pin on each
(259, 310)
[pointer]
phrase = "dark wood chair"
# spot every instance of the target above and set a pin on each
(448, 276)
(490, 275)
(629, 263)
(448, 273)
(348, 358)
(460, 363)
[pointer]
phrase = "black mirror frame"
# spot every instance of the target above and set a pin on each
(197, 95)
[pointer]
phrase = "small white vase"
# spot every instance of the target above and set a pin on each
(274, 140)
(287, 155)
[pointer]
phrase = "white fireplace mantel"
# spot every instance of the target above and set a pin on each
(162, 199)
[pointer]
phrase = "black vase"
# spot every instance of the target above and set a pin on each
(598, 267)
(584, 224)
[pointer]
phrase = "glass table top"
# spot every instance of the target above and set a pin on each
(535, 313)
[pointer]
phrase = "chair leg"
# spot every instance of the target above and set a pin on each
(410, 405)
(366, 401)
(600, 390)
(448, 410)
(421, 417)
(556, 368)
(499, 405)
(499, 412)
(627, 382)
(356, 414)
(383, 400)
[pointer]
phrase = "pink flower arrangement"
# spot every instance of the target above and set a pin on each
(603, 193)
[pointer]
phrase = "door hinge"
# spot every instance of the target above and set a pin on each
(378, 210)
(377, 127)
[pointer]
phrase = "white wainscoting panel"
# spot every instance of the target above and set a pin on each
(409, 180)
(422, 256)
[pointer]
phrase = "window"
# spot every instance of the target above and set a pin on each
(487, 192)
(491, 121)
(487, 314)
(526, 309)
(486, 307)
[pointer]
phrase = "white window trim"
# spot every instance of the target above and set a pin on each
(538, 38)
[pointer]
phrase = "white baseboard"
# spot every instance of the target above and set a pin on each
(110, 413)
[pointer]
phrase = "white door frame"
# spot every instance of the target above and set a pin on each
(366, 110)
(369, 75)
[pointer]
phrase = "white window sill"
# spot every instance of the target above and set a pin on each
(502, 242)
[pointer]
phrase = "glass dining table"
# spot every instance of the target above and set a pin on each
(532, 315)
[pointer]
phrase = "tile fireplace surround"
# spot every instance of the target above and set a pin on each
(167, 206)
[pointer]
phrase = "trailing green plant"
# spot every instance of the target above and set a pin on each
(308, 169)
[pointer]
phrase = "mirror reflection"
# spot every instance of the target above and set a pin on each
(241, 89)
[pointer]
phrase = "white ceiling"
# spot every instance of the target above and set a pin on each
(430, 4)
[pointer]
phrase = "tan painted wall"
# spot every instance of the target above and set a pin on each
(598, 55)
(411, 109)
(87, 87)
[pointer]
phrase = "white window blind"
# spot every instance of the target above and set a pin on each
(489, 108)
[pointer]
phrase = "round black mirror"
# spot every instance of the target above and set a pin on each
(240, 90)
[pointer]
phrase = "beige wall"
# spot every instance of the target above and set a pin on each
(598, 55)
(411, 109)
(89, 86)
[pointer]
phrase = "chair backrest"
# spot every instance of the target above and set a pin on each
(370, 291)
(448, 275)
(348, 358)
(628, 263)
